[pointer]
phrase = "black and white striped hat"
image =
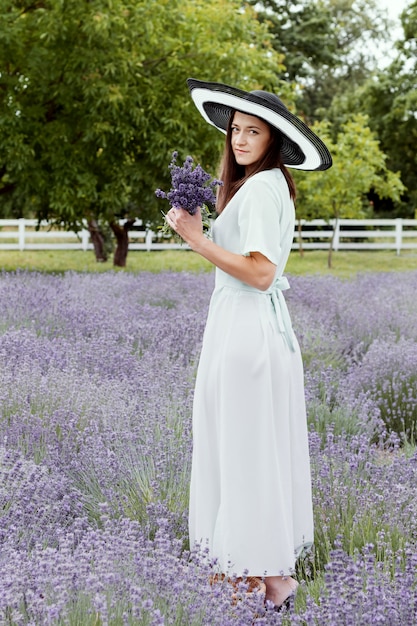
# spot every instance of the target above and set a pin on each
(302, 149)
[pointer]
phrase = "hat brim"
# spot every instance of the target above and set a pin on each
(302, 148)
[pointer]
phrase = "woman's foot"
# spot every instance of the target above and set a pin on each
(279, 589)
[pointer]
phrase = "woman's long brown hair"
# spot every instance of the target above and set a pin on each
(233, 175)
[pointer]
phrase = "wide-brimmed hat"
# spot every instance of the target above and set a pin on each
(302, 149)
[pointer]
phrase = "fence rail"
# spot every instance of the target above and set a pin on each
(373, 234)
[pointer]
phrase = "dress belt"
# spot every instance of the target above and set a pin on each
(280, 306)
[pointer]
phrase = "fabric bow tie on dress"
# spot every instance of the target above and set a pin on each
(283, 316)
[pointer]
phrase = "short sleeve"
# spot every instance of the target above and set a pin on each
(259, 220)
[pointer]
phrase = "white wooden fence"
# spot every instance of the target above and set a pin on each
(383, 234)
(373, 234)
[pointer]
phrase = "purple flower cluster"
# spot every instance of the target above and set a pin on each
(359, 342)
(96, 386)
(191, 187)
(361, 589)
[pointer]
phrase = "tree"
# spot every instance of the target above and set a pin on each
(302, 32)
(359, 165)
(329, 46)
(95, 100)
(390, 100)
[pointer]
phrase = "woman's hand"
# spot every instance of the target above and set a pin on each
(189, 227)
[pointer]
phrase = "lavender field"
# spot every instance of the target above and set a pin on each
(96, 384)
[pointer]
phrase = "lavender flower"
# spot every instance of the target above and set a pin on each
(96, 386)
(191, 187)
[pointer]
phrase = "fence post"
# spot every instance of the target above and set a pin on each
(148, 240)
(336, 236)
(398, 234)
(21, 234)
(85, 236)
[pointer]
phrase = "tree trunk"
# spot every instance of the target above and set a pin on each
(122, 242)
(300, 239)
(98, 241)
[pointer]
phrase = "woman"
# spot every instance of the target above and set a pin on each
(250, 497)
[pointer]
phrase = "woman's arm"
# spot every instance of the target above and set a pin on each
(255, 270)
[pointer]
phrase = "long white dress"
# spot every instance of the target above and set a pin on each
(250, 494)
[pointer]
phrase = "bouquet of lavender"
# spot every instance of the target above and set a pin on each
(191, 188)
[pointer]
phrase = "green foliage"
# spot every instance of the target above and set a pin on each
(328, 46)
(359, 165)
(389, 99)
(303, 33)
(95, 98)
(391, 102)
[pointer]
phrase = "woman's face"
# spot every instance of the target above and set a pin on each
(250, 139)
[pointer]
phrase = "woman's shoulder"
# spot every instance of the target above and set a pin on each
(272, 181)
(273, 174)
(266, 177)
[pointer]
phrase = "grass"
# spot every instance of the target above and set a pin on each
(345, 264)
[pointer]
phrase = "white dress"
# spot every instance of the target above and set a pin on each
(250, 494)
